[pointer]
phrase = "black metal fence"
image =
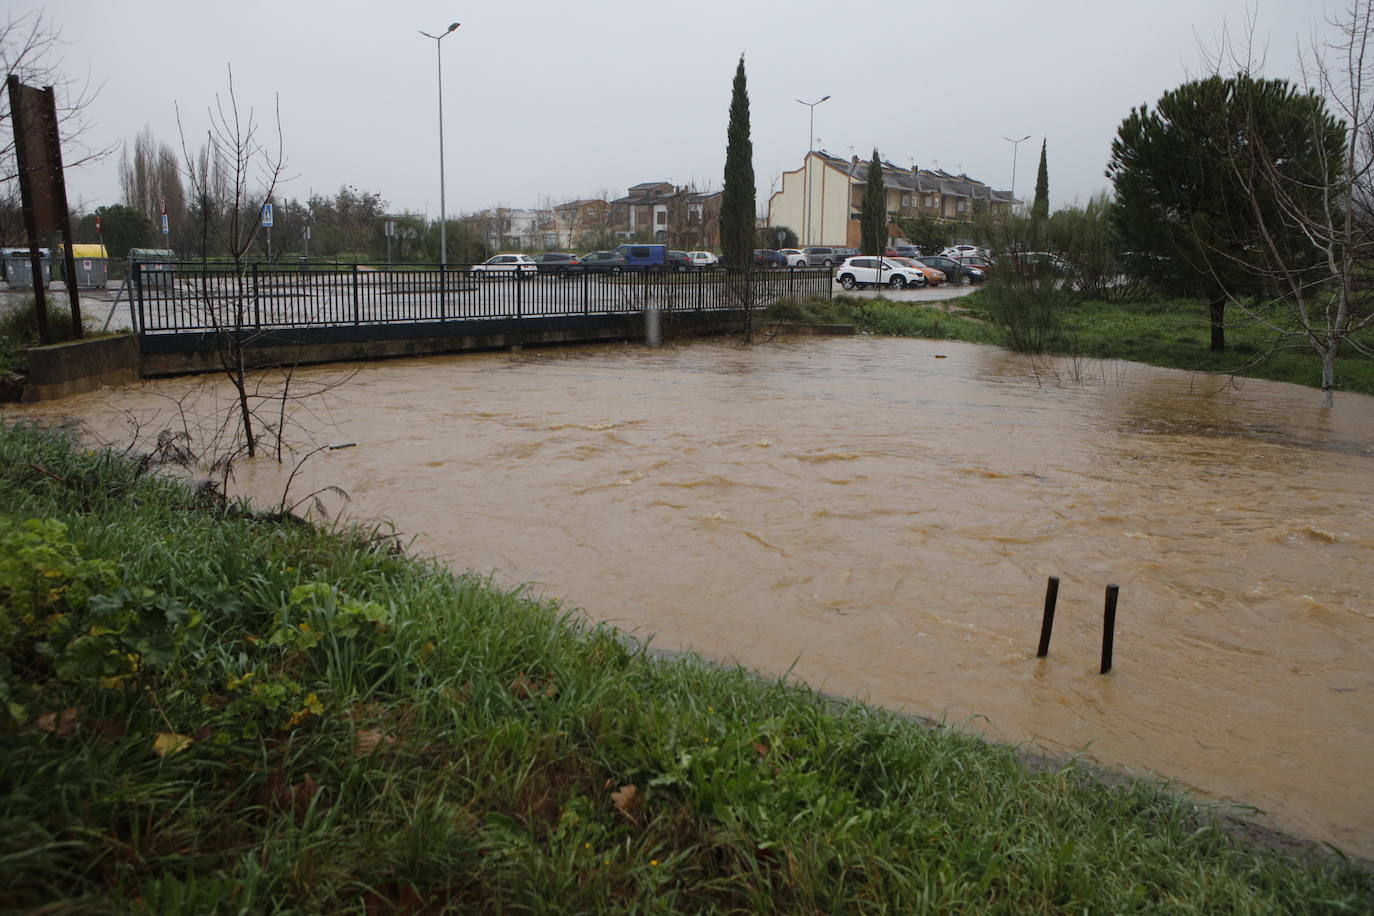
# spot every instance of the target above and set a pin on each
(198, 296)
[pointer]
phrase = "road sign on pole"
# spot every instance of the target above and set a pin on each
(267, 216)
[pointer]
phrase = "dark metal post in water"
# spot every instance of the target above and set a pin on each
(1047, 622)
(1108, 628)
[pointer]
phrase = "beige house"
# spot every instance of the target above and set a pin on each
(577, 218)
(835, 188)
(664, 212)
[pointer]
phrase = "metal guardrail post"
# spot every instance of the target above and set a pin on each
(257, 303)
(139, 324)
(519, 293)
(356, 316)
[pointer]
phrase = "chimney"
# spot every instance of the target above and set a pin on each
(854, 161)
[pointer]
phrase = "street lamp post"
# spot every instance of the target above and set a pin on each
(810, 145)
(443, 221)
(1015, 145)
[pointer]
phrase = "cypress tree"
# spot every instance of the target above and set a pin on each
(737, 194)
(1041, 207)
(872, 214)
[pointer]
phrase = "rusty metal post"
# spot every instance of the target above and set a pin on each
(1047, 620)
(1108, 628)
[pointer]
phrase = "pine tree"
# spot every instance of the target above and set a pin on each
(737, 195)
(1185, 212)
(1040, 209)
(873, 214)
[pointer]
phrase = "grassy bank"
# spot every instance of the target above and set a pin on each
(882, 316)
(1169, 333)
(208, 710)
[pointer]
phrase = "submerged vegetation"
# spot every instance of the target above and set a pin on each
(207, 709)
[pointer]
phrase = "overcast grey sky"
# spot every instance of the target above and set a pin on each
(557, 101)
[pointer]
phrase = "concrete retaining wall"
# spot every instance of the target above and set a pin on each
(178, 354)
(63, 369)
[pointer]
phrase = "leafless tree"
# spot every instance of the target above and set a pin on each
(30, 48)
(150, 179)
(1320, 300)
(231, 176)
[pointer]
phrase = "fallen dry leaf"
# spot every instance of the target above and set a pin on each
(369, 739)
(524, 688)
(60, 725)
(168, 743)
(302, 793)
(627, 801)
(111, 729)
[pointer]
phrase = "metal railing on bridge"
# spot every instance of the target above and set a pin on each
(198, 296)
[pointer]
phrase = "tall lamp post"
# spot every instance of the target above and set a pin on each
(810, 145)
(1015, 145)
(443, 221)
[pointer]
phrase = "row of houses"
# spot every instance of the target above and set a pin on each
(686, 218)
(651, 211)
(834, 188)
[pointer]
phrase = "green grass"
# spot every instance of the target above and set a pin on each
(19, 331)
(882, 316)
(345, 729)
(1170, 333)
(1175, 333)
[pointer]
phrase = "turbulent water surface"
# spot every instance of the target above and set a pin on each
(880, 517)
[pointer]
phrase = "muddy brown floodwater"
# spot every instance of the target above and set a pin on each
(880, 516)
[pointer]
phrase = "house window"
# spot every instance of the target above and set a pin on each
(906, 201)
(661, 218)
(963, 206)
(930, 200)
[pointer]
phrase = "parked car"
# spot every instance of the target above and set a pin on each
(902, 251)
(954, 251)
(934, 277)
(976, 261)
(767, 257)
(519, 266)
(603, 262)
(957, 273)
(679, 260)
(842, 253)
(558, 263)
(1037, 261)
(870, 271)
(793, 257)
(644, 256)
(703, 259)
(820, 256)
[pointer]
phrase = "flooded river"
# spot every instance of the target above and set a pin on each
(880, 516)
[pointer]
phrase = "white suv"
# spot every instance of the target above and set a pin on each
(508, 265)
(865, 270)
(793, 257)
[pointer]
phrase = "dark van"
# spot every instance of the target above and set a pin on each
(645, 257)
